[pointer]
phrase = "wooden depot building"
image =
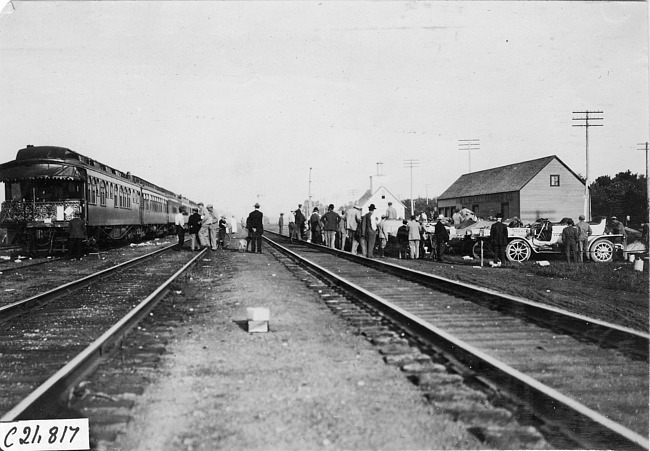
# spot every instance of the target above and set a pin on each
(541, 188)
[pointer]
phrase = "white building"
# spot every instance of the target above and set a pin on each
(380, 197)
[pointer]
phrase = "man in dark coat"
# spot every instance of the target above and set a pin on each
(301, 220)
(76, 234)
(442, 236)
(570, 238)
(368, 232)
(499, 238)
(255, 225)
(193, 227)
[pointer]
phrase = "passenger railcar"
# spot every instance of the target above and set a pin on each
(46, 185)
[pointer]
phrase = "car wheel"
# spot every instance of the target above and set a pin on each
(602, 251)
(518, 251)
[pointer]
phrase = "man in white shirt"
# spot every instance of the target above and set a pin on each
(179, 222)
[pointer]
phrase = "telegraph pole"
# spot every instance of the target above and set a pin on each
(645, 147)
(426, 188)
(412, 164)
(595, 116)
(309, 195)
(469, 145)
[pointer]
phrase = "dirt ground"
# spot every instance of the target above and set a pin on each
(310, 383)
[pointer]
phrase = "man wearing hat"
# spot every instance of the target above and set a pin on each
(584, 230)
(352, 219)
(193, 227)
(255, 226)
(330, 222)
(499, 238)
(212, 221)
(301, 221)
(442, 237)
(368, 232)
(280, 223)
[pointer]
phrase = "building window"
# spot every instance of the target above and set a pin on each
(555, 180)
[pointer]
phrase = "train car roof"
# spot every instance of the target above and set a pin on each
(9, 172)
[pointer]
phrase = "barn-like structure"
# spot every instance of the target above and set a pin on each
(541, 188)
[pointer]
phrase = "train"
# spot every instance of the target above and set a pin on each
(45, 186)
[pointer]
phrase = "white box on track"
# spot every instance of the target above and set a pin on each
(258, 314)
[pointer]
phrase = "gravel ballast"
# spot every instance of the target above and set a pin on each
(308, 383)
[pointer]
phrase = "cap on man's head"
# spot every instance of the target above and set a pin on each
(200, 203)
(499, 215)
(371, 207)
(256, 205)
(299, 205)
(613, 217)
(581, 217)
(390, 203)
(441, 216)
(209, 206)
(195, 209)
(281, 214)
(331, 207)
(315, 209)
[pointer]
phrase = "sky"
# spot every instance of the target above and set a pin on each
(233, 103)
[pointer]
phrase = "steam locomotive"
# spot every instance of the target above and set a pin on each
(45, 186)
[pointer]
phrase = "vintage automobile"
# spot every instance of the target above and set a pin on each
(541, 237)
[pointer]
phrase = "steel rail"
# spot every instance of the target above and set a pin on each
(574, 419)
(627, 340)
(51, 392)
(16, 308)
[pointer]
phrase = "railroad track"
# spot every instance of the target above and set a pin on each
(580, 382)
(50, 341)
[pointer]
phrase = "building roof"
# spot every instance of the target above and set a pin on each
(368, 195)
(512, 177)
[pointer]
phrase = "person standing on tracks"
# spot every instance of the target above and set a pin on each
(570, 238)
(223, 228)
(330, 222)
(341, 233)
(584, 230)
(314, 226)
(213, 227)
(179, 222)
(204, 231)
(414, 237)
(369, 232)
(193, 227)
(293, 234)
(256, 223)
(280, 223)
(352, 220)
(442, 237)
(382, 235)
(403, 239)
(499, 238)
(301, 220)
(391, 213)
(77, 235)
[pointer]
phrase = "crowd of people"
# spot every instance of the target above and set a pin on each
(363, 234)
(205, 227)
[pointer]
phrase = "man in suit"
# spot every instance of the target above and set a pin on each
(368, 232)
(255, 225)
(499, 238)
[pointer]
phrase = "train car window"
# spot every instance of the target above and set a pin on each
(102, 194)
